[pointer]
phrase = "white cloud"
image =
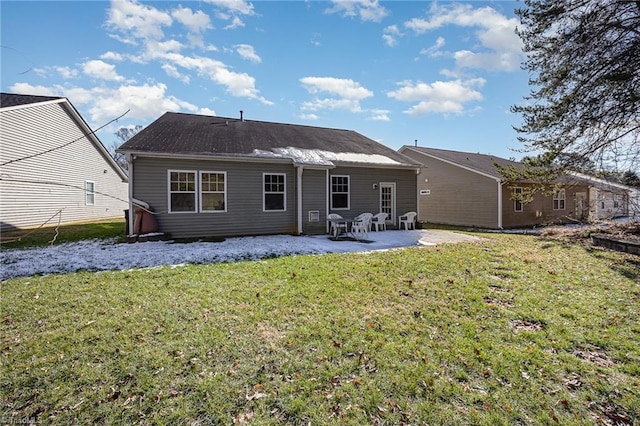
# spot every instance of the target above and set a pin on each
(144, 102)
(236, 22)
(137, 20)
(347, 93)
(343, 87)
(36, 90)
(311, 117)
(206, 111)
(101, 70)
(332, 104)
(196, 22)
(159, 50)
(379, 115)
(434, 51)
(499, 61)
(367, 10)
(231, 9)
(112, 56)
(66, 72)
(390, 35)
(234, 6)
(495, 32)
(172, 71)
(237, 84)
(247, 52)
(144, 23)
(438, 97)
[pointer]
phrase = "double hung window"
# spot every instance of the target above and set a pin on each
(89, 193)
(339, 192)
(274, 194)
(182, 191)
(517, 199)
(213, 191)
(559, 199)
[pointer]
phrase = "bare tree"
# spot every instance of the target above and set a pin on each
(123, 134)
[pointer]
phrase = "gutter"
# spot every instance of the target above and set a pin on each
(267, 159)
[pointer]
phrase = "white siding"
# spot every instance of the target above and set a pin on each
(607, 204)
(34, 189)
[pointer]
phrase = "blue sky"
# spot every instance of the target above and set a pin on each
(443, 73)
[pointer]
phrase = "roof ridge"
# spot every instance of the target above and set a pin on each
(237, 119)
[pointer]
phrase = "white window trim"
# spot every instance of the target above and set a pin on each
(93, 193)
(515, 202)
(348, 192)
(558, 198)
(284, 193)
(200, 192)
(195, 193)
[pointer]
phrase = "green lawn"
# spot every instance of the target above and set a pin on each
(64, 234)
(513, 330)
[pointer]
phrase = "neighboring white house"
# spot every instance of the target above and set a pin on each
(607, 199)
(634, 203)
(53, 167)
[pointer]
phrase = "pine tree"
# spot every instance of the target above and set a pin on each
(583, 58)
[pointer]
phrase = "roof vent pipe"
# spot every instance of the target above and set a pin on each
(416, 142)
(241, 115)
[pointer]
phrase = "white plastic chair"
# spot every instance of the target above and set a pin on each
(335, 227)
(379, 221)
(409, 220)
(361, 225)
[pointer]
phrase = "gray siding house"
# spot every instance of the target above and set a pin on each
(52, 167)
(215, 176)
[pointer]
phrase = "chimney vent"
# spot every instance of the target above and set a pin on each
(416, 142)
(241, 115)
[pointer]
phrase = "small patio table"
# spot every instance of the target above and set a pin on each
(338, 225)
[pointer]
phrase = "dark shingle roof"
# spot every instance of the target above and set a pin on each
(12, 99)
(483, 163)
(177, 133)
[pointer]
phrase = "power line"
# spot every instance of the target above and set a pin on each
(15, 160)
(21, 54)
(19, 238)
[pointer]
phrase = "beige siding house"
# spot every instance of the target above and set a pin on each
(465, 189)
(52, 167)
(215, 176)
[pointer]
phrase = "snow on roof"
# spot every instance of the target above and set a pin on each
(318, 157)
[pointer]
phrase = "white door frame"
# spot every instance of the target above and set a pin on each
(581, 206)
(392, 213)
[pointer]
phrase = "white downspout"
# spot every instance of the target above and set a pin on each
(499, 205)
(327, 195)
(299, 185)
(131, 212)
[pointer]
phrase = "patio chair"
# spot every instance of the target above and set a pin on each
(336, 227)
(409, 220)
(379, 221)
(361, 225)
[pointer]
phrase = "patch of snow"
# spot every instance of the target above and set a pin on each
(323, 158)
(104, 255)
